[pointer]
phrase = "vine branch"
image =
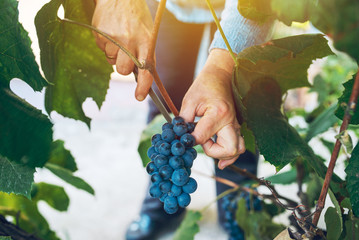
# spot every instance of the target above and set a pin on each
(233, 55)
(348, 114)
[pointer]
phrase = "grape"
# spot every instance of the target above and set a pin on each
(155, 191)
(180, 129)
(184, 200)
(188, 159)
(190, 186)
(165, 172)
(151, 151)
(165, 186)
(188, 140)
(156, 178)
(168, 135)
(176, 162)
(165, 149)
(176, 190)
(160, 160)
(171, 202)
(167, 126)
(229, 204)
(178, 149)
(170, 210)
(172, 157)
(177, 120)
(151, 168)
(180, 177)
(157, 145)
(155, 138)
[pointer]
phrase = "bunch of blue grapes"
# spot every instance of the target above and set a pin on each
(172, 155)
(229, 204)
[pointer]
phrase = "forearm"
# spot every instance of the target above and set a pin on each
(240, 32)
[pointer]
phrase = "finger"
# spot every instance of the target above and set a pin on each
(111, 52)
(124, 64)
(100, 41)
(229, 144)
(206, 127)
(223, 163)
(188, 111)
(144, 83)
(145, 78)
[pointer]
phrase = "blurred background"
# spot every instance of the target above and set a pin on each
(108, 160)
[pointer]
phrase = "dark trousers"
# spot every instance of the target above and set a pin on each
(176, 55)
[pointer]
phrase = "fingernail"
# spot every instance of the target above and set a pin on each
(140, 98)
(221, 165)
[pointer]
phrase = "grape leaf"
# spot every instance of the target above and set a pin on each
(26, 134)
(5, 238)
(333, 224)
(284, 178)
(277, 141)
(343, 102)
(256, 225)
(53, 195)
(16, 57)
(285, 60)
(352, 171)
(61, 156)
(29, 218)
(189, 226)
(71, 59)
(336, 18)
(15, 178)
(314, 187)
(257, 10)
(68, 177)
(323, 122)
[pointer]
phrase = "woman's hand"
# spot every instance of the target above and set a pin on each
(130, 23)
(210, 97)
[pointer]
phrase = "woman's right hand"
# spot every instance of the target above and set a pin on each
(130, 23)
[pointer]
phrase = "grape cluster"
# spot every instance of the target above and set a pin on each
(229, 204)
(172, 156)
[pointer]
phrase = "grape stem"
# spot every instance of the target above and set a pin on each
(347, 116)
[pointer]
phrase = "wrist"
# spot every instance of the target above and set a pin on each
(219, 62)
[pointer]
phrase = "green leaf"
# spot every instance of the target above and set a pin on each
(329, 145)
(68, 177)
(15, 178)
(189, 226)
(16, 57)
(71, 59)
(257, 10)
(333, 224)
(249, 138)
(337, 207)
(154, 127)
(314, 187)
(61, 156)
(284, 178)
(30, 219)
(5, 238)
(256, 225)
(351, 229)
(53, 195)
(277, 141)
(343, 102)
(352, 178)
(322, 123)
(26, 134)
(285, 60)
(292, 11)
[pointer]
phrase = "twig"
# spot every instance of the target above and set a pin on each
(138, 64)
(156, 27)
(108, 37)
(222, 33)
(348, 114)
